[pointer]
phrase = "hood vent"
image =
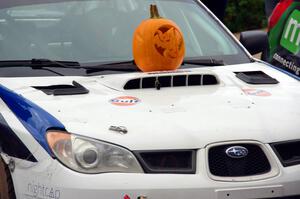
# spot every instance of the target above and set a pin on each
(171, 81)
(75, 89)
(256, 77)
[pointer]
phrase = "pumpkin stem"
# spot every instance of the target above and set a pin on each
(154, 14)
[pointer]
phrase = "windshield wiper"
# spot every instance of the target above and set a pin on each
(39, 63)
(36, 63)
(130, 66)
(204, 62)
(122, 66)
(125, 66)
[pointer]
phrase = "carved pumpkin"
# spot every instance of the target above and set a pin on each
(158, 44)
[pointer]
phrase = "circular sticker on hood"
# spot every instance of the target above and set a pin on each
(125, 101)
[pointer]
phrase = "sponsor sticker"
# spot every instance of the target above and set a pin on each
(291, 36)
(126, 197)
(41, 191)
(287, 63)
(125, 101)
(256, 92)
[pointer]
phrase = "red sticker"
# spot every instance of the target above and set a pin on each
(125, 101)
(126, 197)
(256, 92)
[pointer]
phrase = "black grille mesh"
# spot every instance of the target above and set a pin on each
(288, 152)
(181, 161)
(255, 163)
(171, 81)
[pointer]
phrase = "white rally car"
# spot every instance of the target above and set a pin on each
(91, 125)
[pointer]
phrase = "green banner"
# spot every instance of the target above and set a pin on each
(290, 38)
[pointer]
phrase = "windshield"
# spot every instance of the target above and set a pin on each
(89, 31)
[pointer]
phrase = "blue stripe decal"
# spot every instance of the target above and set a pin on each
(281, 70)
(35, 119)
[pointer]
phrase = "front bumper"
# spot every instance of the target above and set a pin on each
(54, 181)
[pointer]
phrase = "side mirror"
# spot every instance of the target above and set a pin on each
(255, 41)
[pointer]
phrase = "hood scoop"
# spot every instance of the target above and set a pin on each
(62, 89)
(158, 82)
(256, 77)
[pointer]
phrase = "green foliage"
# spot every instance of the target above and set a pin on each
(244, 15)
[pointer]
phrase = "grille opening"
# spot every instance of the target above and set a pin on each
(209, 80)
(194, 80)
(255, 163)
(165, 81)
(168, 161)
(171, 81)
(132, 84)
(288, 152)
(179, 80)
(149, 82)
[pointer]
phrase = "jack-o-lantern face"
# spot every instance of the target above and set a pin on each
(158, 44)
(168, 41)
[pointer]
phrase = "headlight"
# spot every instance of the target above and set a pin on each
(91, 156)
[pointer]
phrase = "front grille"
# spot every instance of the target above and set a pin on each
(255, 163)
(178, 161)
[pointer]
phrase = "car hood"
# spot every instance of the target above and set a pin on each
(175, 117)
